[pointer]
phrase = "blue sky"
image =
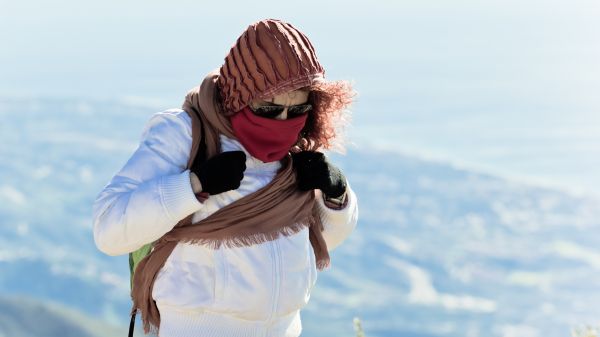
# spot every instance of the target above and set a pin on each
(506, 86)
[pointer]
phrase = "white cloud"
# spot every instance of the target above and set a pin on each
(423, 292)
(22, 228)
(542, 281)
(81, 139)
(12, 194)
(8, 255)
(42, 172)
(518, 330)
(577, 252)
(85, 174)
(401, 246)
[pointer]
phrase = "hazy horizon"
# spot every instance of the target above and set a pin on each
(510, 87)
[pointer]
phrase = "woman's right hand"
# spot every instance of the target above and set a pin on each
(221, 173)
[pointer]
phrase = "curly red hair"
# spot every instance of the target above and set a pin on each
(330, 100)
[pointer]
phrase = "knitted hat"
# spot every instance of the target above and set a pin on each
(269, 58)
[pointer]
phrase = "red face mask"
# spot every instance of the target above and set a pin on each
(265, 138)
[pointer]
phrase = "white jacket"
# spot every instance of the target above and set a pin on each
(249, 291)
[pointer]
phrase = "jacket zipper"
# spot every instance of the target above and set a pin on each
(276, 267)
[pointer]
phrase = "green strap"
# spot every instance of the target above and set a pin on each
(134, 259)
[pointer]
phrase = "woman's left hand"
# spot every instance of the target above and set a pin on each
(313, 170)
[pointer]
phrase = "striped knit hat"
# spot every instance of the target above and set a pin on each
(269, 58)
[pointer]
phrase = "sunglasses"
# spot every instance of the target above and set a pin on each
(272, 111)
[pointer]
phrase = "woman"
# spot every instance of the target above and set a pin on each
(239, 234)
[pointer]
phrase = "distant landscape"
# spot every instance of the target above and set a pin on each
(21, 316)
(439, 250)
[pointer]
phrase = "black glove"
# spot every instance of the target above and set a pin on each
(222, 172)
(313, 170)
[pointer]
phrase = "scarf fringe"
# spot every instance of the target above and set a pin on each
(249, 240)
(150, 328)
(146, 325)
(323, 263)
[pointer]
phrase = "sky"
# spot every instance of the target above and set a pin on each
(508, 87)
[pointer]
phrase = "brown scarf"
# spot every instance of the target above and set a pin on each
(277, 209)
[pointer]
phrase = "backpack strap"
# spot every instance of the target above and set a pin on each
(132, 324)
(198, 143)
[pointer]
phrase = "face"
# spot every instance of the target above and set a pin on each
(286, 99)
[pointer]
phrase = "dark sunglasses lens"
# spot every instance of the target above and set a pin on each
(268, 111)
(298, 110)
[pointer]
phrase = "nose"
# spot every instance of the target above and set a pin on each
(283, 114)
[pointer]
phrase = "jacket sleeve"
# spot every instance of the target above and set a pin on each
(152, 192)
(338, 223)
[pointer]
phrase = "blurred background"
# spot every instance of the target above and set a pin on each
(474, 151)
